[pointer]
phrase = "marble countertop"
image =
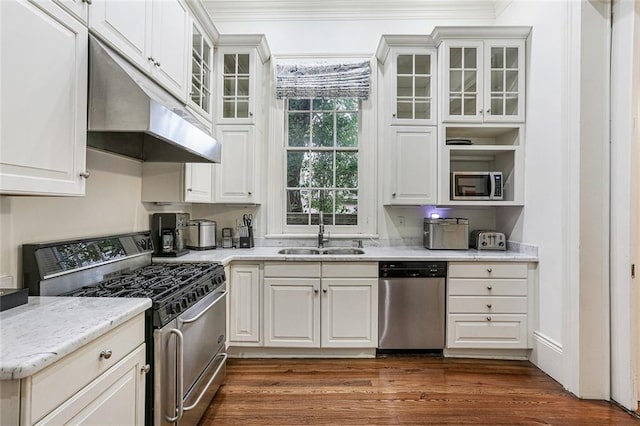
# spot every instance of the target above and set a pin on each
(226, 256)
(39, 333)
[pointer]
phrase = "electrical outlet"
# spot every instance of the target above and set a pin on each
(401, 220)
(6, 281)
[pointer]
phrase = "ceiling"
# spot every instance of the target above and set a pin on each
(287, 10)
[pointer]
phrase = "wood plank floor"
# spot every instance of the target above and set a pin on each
(399, 390)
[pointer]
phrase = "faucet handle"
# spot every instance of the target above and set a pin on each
(358, 242)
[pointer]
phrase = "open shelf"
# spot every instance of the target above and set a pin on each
(482, 136)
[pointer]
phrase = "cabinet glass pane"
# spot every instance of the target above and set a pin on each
(470, 81)
(512, 57)
(455, 57)
(206, 52)
(229, 64)
(455, 81)
(455, 105)
(422, 87)
(228, 109)
(469, 105)
(243, 86)
(423, 110)
(404, 110)
(229, 86)
(497, 80)
(243, 109)
(512, 81)
(206, 99)
(497, 57)
(496, 106)
(405, 86)
(470, 57)
(511, 105)
(423, 64)
(405, 64)
(243, 64)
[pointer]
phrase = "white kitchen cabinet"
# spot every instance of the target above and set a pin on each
(235, 176)
(412, 176)
(321, 305)
(103, 382)
(43, 102)
(78, 8)
(245, 305)
(153, 35)
(200, 70)
(483, 73)
(488, 305)
(177, 182)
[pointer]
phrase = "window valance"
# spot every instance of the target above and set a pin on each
(323, 80)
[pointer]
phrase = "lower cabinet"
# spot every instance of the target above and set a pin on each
(488, 305)
(314, 304)
(103, 382)
(245, 305)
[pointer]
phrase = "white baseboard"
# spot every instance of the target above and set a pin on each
(262, 352)
(547, 356)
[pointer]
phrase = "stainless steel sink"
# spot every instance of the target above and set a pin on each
(304, 251)
(345, 251)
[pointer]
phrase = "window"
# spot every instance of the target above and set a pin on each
(322, 161)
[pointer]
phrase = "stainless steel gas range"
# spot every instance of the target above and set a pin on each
(185, 327)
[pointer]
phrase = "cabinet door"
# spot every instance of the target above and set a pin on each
(200, 70)
(504, 80)
(234, 176)
(245, 307)
(78, 8)
(414, 87)
(292, 312)
(170, 39)
(237, 82)
(462, 81)
(349, 313)
(198, 182)
(116, 397)
(126, 25)
(413, 165)
(43, 102)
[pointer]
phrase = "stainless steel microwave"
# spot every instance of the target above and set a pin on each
(476, 186)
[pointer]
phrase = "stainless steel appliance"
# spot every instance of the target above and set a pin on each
(169, 233)
(185, 328)
(446, 234)
(488, 240)
(227, 237)
(476, 186)
(411, 305)
(201, 234)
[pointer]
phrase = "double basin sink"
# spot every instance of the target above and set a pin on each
(344, 251)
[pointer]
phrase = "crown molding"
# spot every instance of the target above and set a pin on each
(440, 33)
(388, 41)
(257, 41)
(342, 10)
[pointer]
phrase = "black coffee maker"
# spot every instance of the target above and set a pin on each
(169, 234)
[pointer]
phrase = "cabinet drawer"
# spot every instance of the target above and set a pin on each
(56, 383)
(349, 269)
(487, 331)
(292, 269)
(459, 287)
(487, 270)
(487, 305)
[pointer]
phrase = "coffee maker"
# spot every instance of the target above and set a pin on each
(169, 234)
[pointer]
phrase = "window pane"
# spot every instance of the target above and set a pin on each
(298, 207)
(299, 104)
(405, 64)
(299, 129)
(347, 129)
(322, 130)
(346, 208)
(347, 104)
(298, 172)
(423, 64)
(322, 201)
(323, 104)
(243, 64)
(229, 64)
(346, 170)
(321, 166)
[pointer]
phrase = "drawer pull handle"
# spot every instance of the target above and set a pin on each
(489, 288)
(145, 369)
(105, 354)
(488, 318)
(489, 305)
(489, 270)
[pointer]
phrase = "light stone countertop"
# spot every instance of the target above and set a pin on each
(39, 333)
(225, 256)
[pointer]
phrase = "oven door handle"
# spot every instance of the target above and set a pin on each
(180, 376)
(206, 388)
(204, 311)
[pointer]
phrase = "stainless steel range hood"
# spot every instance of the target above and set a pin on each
(131, 115)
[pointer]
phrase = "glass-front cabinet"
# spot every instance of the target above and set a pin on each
(483, 80)
(201, 64)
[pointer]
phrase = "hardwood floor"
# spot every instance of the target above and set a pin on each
(399, 390)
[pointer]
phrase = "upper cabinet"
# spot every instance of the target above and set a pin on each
(483, 73)
(43, 101)
(153, 35)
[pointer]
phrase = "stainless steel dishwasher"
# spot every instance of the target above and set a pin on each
(411, 305)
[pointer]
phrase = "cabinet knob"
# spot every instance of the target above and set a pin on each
(393, 195)
(189, 189)
(481, 111)
(250, 193)
(150, 58)
(393, 115)
(315, 290)
(488, 318)
(85, 174)
(157, 64)
(250, 114)
(489, 305)
(87, 1)
(145, 369)
(324, 290)
(105, 354)
(489, 270)
(489, 288)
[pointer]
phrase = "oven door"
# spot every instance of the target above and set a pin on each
(191, 361)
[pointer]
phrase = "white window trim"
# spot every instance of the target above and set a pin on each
(367, 172)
